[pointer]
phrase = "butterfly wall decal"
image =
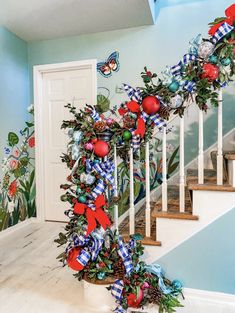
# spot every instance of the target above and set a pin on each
(110, 65)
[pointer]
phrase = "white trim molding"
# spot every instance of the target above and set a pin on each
(201, 301)
(38, 72)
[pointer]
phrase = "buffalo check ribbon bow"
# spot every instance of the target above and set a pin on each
(219, 30)
(90, 245)
(134, 106)
(93, 216)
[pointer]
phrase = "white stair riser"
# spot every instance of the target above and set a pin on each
(231, 172)
(208, 205)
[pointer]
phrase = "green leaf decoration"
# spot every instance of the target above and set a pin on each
(24, 161)
(13, 139)
(29, 124)
(103, 103)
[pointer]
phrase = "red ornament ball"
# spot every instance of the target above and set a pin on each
(72, 259)
(210, 71)
(101, 148)
(134, 301)
(151, 105)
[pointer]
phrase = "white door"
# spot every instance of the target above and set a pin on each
(59, 88)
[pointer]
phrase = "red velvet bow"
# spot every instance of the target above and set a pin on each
(93, 216)
(230, 13)
(134, 107)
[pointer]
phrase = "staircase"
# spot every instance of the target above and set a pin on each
(201, 196)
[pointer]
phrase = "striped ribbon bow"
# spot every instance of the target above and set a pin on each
(187, 58)
(132, 93)
(95, 115)
(104, 169)
(116, 291)
(222, 31)
(126, 256)
(92, 246)
(156, 119)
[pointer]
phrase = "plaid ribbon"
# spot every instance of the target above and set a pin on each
(104, 169)
(135, 140)
(119, 309)
(92, 246)
(189, 86)
(117, 288)
(187, 58)
(222, 31)
(125, 255)
(156, 119)
(132, 93)
(97, 191)
(95, 115)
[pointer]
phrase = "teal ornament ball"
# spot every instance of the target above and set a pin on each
(213, 59)
(82, 199)
(79, 190)
(225, 61)
(101, 275)
(174, 86)
(127, 135)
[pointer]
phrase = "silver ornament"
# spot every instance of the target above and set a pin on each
(205, 49)
(87, 178)
(90, 179)
(77, 136)
(176, 102)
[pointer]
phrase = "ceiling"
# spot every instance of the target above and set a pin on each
(46, 19)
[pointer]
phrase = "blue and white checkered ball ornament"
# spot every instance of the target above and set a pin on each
(175, 102)
(205, 49)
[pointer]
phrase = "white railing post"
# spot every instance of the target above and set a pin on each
(132, 206)
(200, 149)
(220, 141)
(182, 176)
(147, 184)
(115, 187)
(164, 172)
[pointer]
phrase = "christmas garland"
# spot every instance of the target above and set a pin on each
(93, 250)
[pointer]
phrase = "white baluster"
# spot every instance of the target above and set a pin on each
(115, 187)
(147, 184)
(220, 141)
(164, 172)
(132, 206)
(200, 149)
(182, 176)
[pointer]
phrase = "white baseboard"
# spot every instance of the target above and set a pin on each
(202, 301)
(18, 226)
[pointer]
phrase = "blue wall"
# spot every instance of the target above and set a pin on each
(206, 260)
(14, 84)
(155, 46)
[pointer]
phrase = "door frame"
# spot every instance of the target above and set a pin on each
(38, 72)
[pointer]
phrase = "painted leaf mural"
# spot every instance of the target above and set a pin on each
(18, 190)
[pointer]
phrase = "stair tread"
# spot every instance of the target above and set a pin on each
(139, 224)
(174, 215)
(173, 200)
(211, 187)
(230, 156)
(148, 241)
(209, 176)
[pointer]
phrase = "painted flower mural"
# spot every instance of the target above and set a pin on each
(18, 190)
